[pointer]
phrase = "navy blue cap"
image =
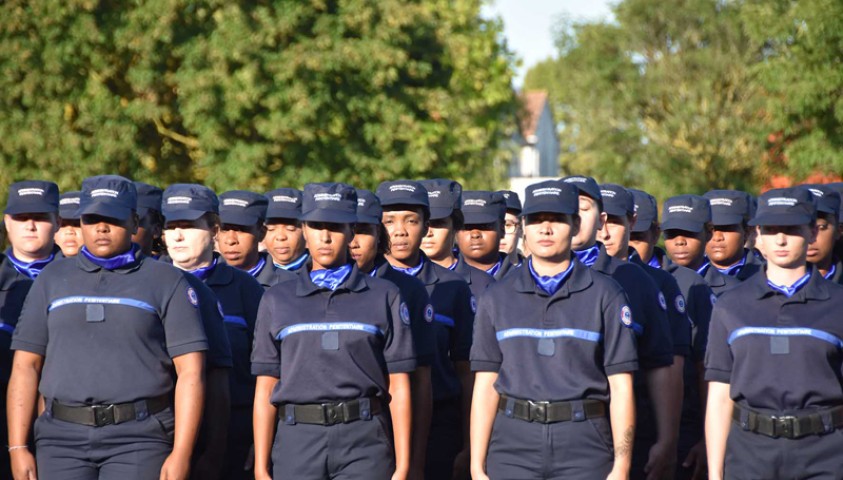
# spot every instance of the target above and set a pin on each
(369, 208)
(403, 192)
(111, 196)
(32, 196)
(686, 212)
(242, 207)
(329, 202)
(646, 210)
(188, 201)
(785, 207)
(284, 203)
(826, 199)
(586, 186)
(617, 200)
(551, 196)
(513, 201)
(149, 198)
(444, 196)
(480, 206)
(728, 207)
(69, 205)
(837, 187)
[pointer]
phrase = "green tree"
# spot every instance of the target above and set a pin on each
(252, 94)
(801, 67)
(661, 98)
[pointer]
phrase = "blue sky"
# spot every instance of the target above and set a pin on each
(528, 24)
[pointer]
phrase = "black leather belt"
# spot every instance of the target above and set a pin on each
(551, 412)
(801, 424)
(101, 415)
(330, 413)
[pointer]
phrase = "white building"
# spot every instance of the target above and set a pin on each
(537, 156)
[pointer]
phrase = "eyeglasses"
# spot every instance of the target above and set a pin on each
(510, 227)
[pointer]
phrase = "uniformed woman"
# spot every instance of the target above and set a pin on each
(775, 358)
(553, 354)
(341, 342)
(114, 343)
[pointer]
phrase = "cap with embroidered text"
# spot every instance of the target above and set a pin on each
(551, 196)
(728, 207)
(149, 198)
(617, 201)
(826, 199)
(587, 186)
(329, 202)
(284, 203)
(368, 207)
(513, 202)
(686, 212)
(480, 206)
(444, 196)
(188, 201)
(243, 208)
(69, 205)
(785, 207)
(646, 210)
(403, 192)
(32, 196)
(110, 196)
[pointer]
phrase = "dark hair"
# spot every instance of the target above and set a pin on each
(383, 240)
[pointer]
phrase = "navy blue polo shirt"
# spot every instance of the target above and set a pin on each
(778, 353)
(219, 348)
(267, 275)
(585, 321)
(453, 321)
(673, 302)
(503, 268)
(476, 279)
(104, 339)
(421, 309)
(835, 274)
(749, 265)
(13, 289)
(240, 295)
(331, 346)
(718, 282)
(655, 345)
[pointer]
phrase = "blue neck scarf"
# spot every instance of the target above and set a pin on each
(588, 256)
(791, 290)
(831, 272)
(654, 262)
(734, 269)
(412, 271)
(454, 265)
(331, 278)
(112, 263)
(294, 265)
(550, 285)
(495, 268)
(202, 273)
(254, 271)
(703, 268)
(31, 269)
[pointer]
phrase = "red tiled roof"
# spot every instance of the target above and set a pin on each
(533, 105)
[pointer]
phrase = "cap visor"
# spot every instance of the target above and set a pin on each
(545, 208)
(30, 208)
(287, 214)
(682, 224)
(614, 210)
(477, 218)
(239, 219)
(330, 216)
(726, 218)
(368, 219)
(642, 224)
(437, 213)
(782, 219)
(183, 214)
(105, 210)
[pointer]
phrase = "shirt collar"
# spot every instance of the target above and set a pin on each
(588, 256)
(29, 269)
(550, 284)
(112, 263)
(256, 270)
(295, 264)
(735, 269)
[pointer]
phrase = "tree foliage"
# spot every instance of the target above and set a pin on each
(252, 94)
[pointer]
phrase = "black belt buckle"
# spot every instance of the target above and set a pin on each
(103, 415)
(334, 413)
(538, 411)
(783, 426)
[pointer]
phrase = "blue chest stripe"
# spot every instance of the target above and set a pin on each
(10, 329)
(233, 319)
(82, 299)
(554, 333)
(786, 332)
(328, 327)
(443, 319)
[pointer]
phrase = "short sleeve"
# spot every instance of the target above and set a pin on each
(718, 355)
(266, 351)
(182, 321)
(399, 351)
(620, 353)
(486, 353)
(31, 334)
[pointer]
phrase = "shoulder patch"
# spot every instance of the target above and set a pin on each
(626, 316)
(473, 304)
(680, 303)
(405, 314)
(713, 299)
(662, 301)
(428, 314)
(192, 297)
